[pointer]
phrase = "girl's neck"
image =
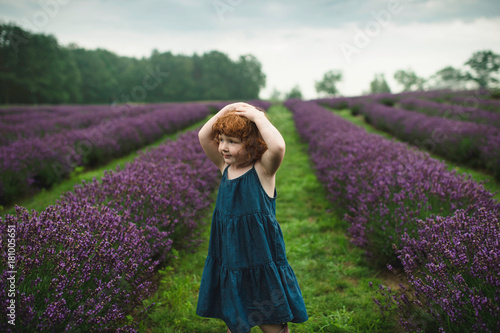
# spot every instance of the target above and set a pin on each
(233, 172)
(243, 165)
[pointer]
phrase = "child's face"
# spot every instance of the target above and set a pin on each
(232, 150)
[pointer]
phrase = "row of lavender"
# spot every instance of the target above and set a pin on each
(86, 262)
(23, 122)
(477, 106)
(483, 99)
(32, 163)
(479, 99)
(464, 142)
(406, 208)
(452, 111)
(37, 121)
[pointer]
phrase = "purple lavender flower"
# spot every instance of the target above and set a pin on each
(78, 266)
(40, 161)
(385, 188)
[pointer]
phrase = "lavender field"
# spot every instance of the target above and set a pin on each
(460, 126)
(439, 230)
(41, 159)
(100, 245)
(89, 261)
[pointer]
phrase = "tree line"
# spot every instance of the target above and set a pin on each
(35, 69)
(481, 70)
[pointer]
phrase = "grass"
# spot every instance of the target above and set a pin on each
(47, 197)
(332, 273)
(485, 177)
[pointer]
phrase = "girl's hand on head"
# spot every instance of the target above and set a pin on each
(249, 111)
(234, 106)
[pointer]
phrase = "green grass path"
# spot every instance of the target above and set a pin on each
(332, 273)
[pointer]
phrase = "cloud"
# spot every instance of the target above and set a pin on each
(296, 41)
(423, 47)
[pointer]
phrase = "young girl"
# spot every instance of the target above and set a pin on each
(247, 280)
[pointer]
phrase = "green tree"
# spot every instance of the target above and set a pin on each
(205, 72)
(184, 78)
(276, 95)
(294, 93)
(248, 78)
(483, 66)
(449, 78)
(409, 80)
(73, 78)
(99, 84)
(14, 59)
(35, 69)
(379, 85)
(217, 75)
(169, 78)
(328, 84)
(131, 79)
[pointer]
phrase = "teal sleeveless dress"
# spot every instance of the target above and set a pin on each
(247, 280)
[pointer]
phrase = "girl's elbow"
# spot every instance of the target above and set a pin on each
(203, 136)
(282, 148)
(279, 149)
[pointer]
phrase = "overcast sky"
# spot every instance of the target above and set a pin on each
(296, 41)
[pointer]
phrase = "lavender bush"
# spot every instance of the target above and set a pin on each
(79, 267)
(387, 99)
(32, 163)
(487, 104)
(475, 144)
(385, 188)
(452, 111)
(162, 192)
(87, 262)
(38, 121)
(463, 142)
(453, 263)
(383, 185)
(438, 95)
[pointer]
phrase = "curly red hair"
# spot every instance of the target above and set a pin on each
(236, 126)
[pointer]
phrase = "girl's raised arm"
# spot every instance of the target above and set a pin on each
(273, 156)
(206, 136)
